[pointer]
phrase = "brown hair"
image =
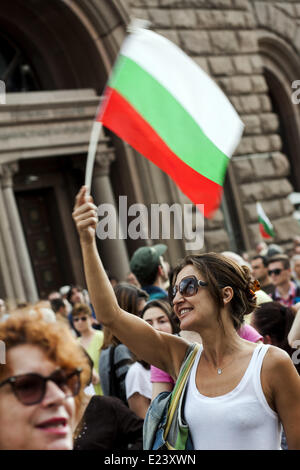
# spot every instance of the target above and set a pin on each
(128, 297)
(220, 271)
(275, 320)
(70, 292)
(54, 339)
(79, 309)
(167, 309)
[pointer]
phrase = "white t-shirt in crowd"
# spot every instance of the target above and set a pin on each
(138, 381)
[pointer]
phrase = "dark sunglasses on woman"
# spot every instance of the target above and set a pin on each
(79, 318)
(187, 287)
(30, 388)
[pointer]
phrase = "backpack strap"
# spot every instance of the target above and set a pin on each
(180, 383)
(112, 375)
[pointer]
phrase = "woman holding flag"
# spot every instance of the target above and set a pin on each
(238, 393)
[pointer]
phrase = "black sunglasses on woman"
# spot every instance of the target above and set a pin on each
(30, 388)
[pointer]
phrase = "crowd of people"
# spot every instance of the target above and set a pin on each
(83, 365)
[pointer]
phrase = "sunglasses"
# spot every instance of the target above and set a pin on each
(275, 271)
(187, 287)
(79, 318)
(30, 389)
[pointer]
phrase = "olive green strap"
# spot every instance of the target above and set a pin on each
(180, 383)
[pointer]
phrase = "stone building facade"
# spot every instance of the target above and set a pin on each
(55, 58)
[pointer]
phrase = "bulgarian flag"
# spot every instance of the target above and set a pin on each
(265, 226)
(162, 103)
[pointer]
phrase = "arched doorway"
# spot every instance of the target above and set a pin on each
(281, 68)
(15, 68)
(50, 46)
(67, 42)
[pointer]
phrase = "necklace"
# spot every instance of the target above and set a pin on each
(220, 369)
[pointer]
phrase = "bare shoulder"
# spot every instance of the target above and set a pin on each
(276, 359)
(278, 368)
(276, 353)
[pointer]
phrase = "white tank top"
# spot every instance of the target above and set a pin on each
(238, 420)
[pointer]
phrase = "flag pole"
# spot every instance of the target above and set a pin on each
(94, 139)
(133, 26)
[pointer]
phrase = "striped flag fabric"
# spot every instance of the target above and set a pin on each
(265, 226)
(166, 107)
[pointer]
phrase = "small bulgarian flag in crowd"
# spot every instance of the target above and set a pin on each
(265, 226)
(162, 103)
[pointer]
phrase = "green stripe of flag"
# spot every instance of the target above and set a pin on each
(267, 228)
(169, 119)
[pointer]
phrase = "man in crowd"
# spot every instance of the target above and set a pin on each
(259, 267)
(150, 269)
(286, 291)
(60, 309)
(295, 265)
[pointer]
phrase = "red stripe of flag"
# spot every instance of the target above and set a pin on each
(263, 233)
(119, 116)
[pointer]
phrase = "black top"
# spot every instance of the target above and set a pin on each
(108, 424)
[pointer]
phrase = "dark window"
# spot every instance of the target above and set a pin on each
(15, 68)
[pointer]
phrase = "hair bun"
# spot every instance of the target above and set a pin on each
(256, 285)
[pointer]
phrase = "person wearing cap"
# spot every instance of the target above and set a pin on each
(150, 269)
(274, 250)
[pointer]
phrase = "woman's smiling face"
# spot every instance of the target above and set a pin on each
(196, 311)
(47, 425)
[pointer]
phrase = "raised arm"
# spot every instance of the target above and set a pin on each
(160, 349)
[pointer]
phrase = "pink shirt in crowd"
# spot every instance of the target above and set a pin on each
(157, 375)
(250, 334)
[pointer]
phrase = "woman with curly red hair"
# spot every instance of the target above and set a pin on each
(40, 386)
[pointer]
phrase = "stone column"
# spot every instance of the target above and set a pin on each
(113, 251)
(9, 295)
(17, 232)
(10, 250)
(239, 208)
